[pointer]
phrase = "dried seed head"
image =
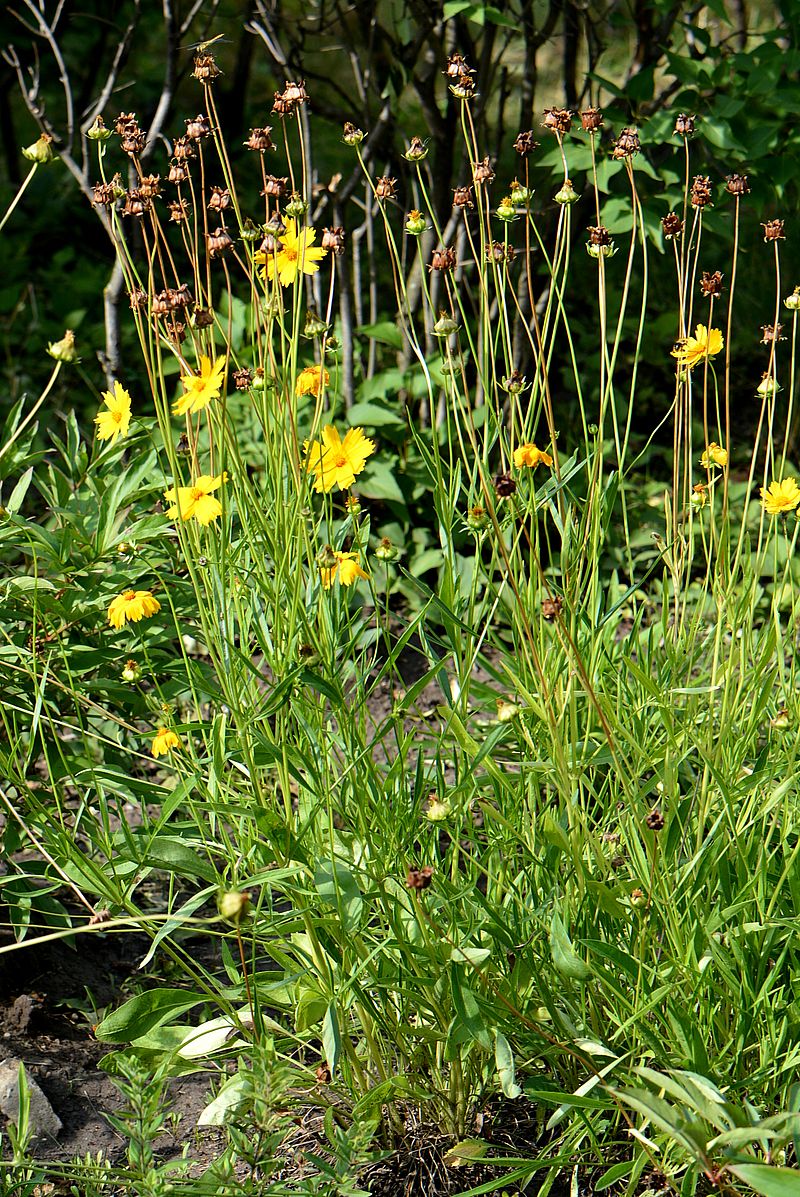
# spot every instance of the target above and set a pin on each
(274, 187)
(125, 121)
(702, 193)
(104, 194)
(496, 251)
(773, 230)
(671, 226)
(203, 318)
(260, 140)
(182, 149)
(592, 120)
(551, 607)
(482, 172)
(269, 245)
(178, 173)
(280, 106)
(138, 299)
(711, 284)
(443, 259)
(417, 150)
(655, 820)
(457, 65)
(351, 135)
(525, 143)
(736, 185)
(386, 188)
(462, 197)
(599, 235)
(515, 383)
(627, 144)
(182, 296)
(419, 878)
(464, 86)
(220, 199)
(242, 379)
(333, 240)
(504, 486)
(771, 333)
(150, 186)
(218, 242)
(198, 128)
(294, 93)
(557, 120)
(161, 304)
(136, 204)
(133, 142)
(205, 68)
(684, 125)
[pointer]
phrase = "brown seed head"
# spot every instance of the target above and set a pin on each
(671, 226)
(136, 204)
(496, 251)
(482, 172)
(711, 284)
(242, 379)
(773, 230)
(275, 187)
(183, 149)
(161, 304)
(218, 242)
(684, 125)
(599, 235)
(178, 173)
(138, 299)
(150, 186)
(203, 317)
(464, 86)
(386, 188)
(443, 259)
(220, 199)
(333, 239)
(104, 194)
(419, 878)
(197, 127)
(655, 820)
(552, 607)
(557, 120)
(457, 65)
(125, 121)
(592, 120)
(627, 144)
(702, 192)
(462, 197)
(260, 140)
(504, 486)
(295, 93)
(771, 333)
(133, 142)
(205, 68)
(280, 106)
(736, 185)
(525, 143)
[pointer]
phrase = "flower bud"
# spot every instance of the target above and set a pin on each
(445, 325)
(699, 496)
(296, 206)
(768, 387)
(567, 194)
(792, 302)
(415, 223)
(39, 152)
(505, 209)
(352, 135)
(506, 711)
(233, 905)
(781, 720)
(314, 325)
(416, 151)
(477, 519)
(352, 506)
(519, 194)
(386, 551)
(638, 898)
(326, 558)
(97, 131)
(436, 810)
(131, 672)
(64, 350)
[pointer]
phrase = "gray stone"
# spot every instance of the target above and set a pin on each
(43, 1121)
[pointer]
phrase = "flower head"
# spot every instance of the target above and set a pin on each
(297, 255)
(779, 498)
(200, 389)
(163, 741)
(714, 454)
(529, 455)
(706, 342)
(335, 462)
(310, 380)
(196, 501)
(131, 606)
(346, 569)
(115, 421)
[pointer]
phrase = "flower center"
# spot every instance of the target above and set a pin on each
(289, 254)
(196, 494)
(116, 416)
(129, 596)
(340, 462)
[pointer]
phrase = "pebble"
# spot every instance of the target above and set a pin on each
(43, 1120)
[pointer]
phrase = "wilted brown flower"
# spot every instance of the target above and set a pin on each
(655, 820)
(161, 304)
(702, 192)
(443, 259)
(592, 120)
(182, 296)
(333, 239)
(295, 93)
(133, 141)
(150, 186)
(242, 379)
(220, 199)
(771, 333)
(496, 251)
(182, 149)
(178, 173)
(125, 120)
(551, 607)
(736, 184)
(711, 284)
(419, 878)
(138, 299)
(386, 188)
(557, 120)
(104, 194)
(203, 317)
(525, 143)
(482, 172)
(684, 125)
(671, 225)
(218, 242)
(598, 235)
(274, 187)
(136, 204)
(260, 140)
(627, 144)
(197, 127)
(462, 197)
(205, 68)
(773, 230)
(504, 486)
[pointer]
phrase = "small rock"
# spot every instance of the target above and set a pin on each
(43, 1120)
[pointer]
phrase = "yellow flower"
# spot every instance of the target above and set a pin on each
(530, 455)
(714, 455)
(706, 342)
(201, 388)
(309, 380)
(115, 421)
(131, 606)
(346, 569)
(163, 741)
(780, 497)
(297, 255)
(336, 462)
(196, 501)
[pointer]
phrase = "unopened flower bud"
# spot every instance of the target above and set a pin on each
(64, 350)
(505, 209)
(567, 194)
(97, 131)
(792, 302)
(40, 151)
(781, 720)
(436, 810)
(445, 325)
(699, 495)
(233, 905)
(638, 898)
(131, 672)
(386, 551)
(314, 325)
(477, 518)
(506, 710)
(768, 387)
(415, 223)
(519, 194)
(296, 206)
